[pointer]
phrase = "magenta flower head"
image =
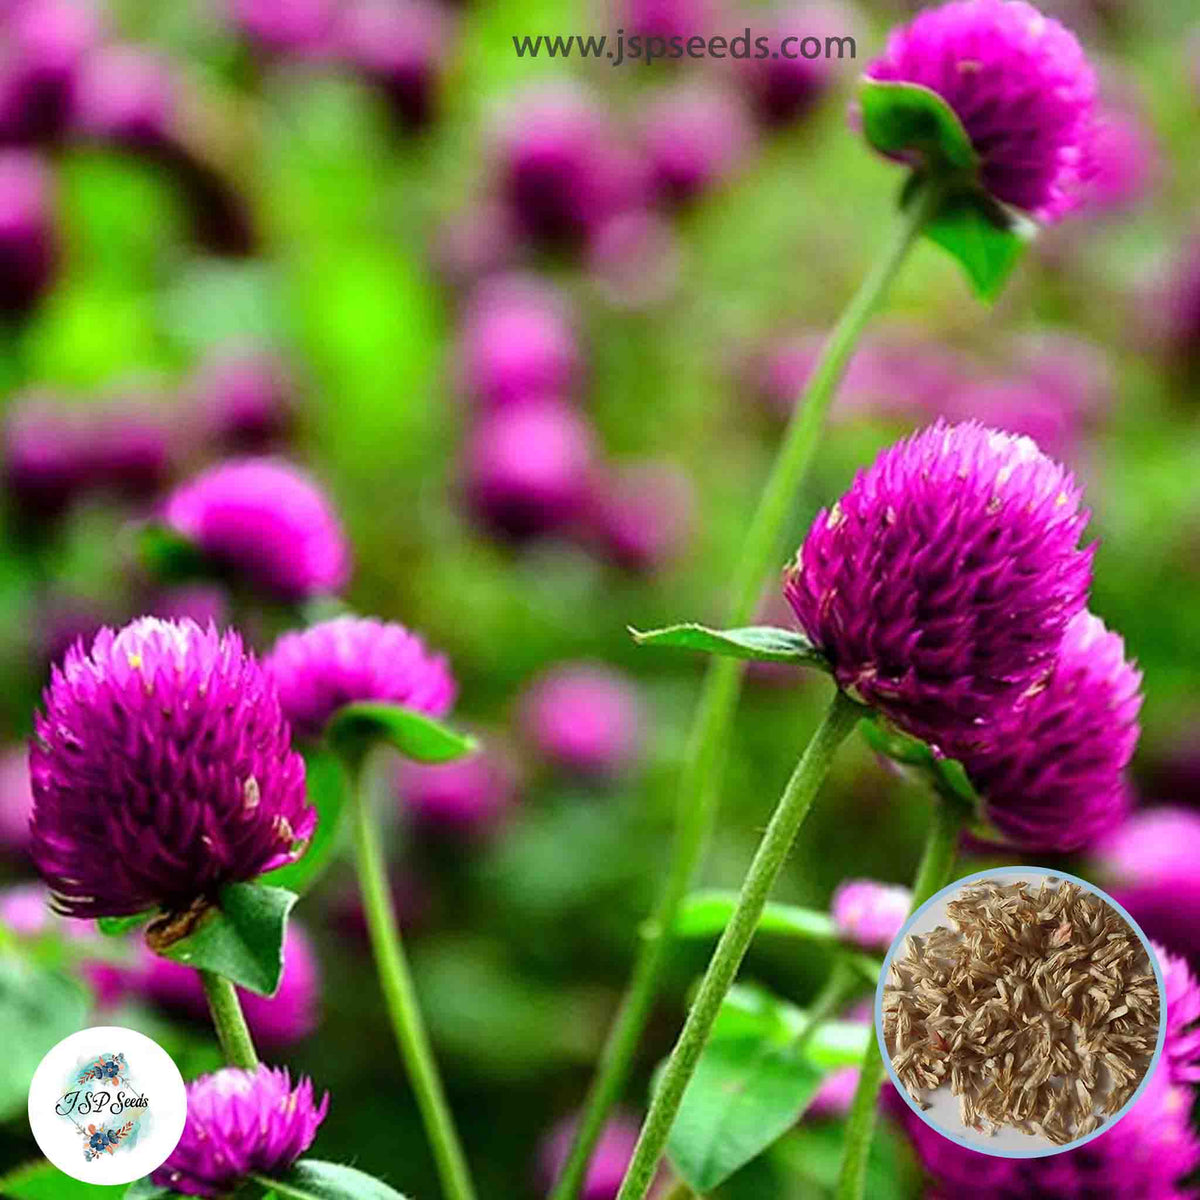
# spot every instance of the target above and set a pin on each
(517, 343)
(609, 1161)
(300, 27)
(1123, 164)
(584, 718)
(348, 659)
(127, 98)
(265, 520)
(528, 468)
(1020, 85)
(1018, 405)
(28, 241)
(869, 914)
(246, 400)
(276, 1022)
(1182, 995)
(940, 586)
(47, 455)
(633, 259)
(467, 797)
(1052, 770)
(16, 801)
(241, 1123)
(162, 769)
(642, 514)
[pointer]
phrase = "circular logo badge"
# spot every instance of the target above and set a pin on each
(107, 1105)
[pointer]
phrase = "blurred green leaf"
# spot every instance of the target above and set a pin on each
(838, 1044)
(143, 1189)
(168, 555)
(354, 727)
(813, 1151)
(913, 123)
(119, 926)
(760, 643)
(706, 913)
(311, 1179)
(328, 787)
(946, 776)
(44, 1181)
(241, 939)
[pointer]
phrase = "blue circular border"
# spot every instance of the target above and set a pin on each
(976, 1146)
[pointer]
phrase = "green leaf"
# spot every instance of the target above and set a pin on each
(328, 787)
(706, 913)
(986, 239)
(913, 123)
(751, 1085)
(946, 776)
(143, 1189)
(415, 735)
(241, 939)
(812, 1155)
(761, 643)
(168, 556)
(311, 1179)
(118, 926)
(835, 1044)
(44, 1181)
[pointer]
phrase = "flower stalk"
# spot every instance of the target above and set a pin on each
(232, 1031)
(700, 777)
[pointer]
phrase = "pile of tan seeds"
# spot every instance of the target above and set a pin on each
(1040, 1009)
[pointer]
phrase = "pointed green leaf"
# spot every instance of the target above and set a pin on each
(241, 939)
(328, 787)
(946, 776)
(706, 913)
(761, 643)
(415, 735)
(167, 555)
(311, 1179)
(913, 123)
(986, 239)
(143, 1189)
(118, 926)
(44, 1181)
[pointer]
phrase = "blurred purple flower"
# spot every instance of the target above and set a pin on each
(1019, 83)
(241, 1123)
(517, 343)
(16, 801)
(584, 718)
(940, 586)
(299, 27)
(1181, 993)
(528, 468)
(276, 1022)
(834, 1096)
(869, 914)
(246, 399)
(634, 258)
(1051, 770)
(266, 520)
(130, 451)
(1076, 371)
(609, 1161)
(479, 240)
(466, 797)
(664, 18)
(1123, 163)
(348, 659)
(127, 97)
(204, 603)
(642, 513)
(162, 768)
(1179, 306)
(29, 249)
(1017, 406)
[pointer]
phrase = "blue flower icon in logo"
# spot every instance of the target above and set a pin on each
(110, 1070)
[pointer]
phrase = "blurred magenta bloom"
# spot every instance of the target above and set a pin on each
(834, 1096)
(664, 18)
(1181, 993)
(478, 240)
(1026, 96)
(634, 259)
(43, 45)
(204, 603)
(642, 514)
(301, 27)
(517, 342)
(528, 468)
(276, 1022)
(245, 398)
(162, 768)
(870, 914)
(29, 249)
(1123, 164)
(941, 585)
(334, 663)
(16, 801)
(694, 137)
(241, 1123)
(609, 1160)
(127, 97)
(1051, 769)
(1017, 406)
(466, 797)
(267, 521)
(1075, 371)
(584, 718)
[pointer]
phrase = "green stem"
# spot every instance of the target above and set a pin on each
(772, 853)
(679, 1190)
(933, 874)
(400, 997)
(232, 1031)
(700, 777)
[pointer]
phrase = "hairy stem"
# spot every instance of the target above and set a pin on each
(232, 1031)
(700, 777)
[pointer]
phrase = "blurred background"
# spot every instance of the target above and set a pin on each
(535, 326)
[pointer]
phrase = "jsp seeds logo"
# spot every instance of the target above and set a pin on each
(102, 1088)
(107, 1105)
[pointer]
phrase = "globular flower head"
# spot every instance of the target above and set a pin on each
(633, 259)
(1123, 163)
(584, 718)
(609, 1161)
(267, 521)
(642, 514)
(1181, 992)
(870, 914)
(940, 586)
(29, 248)
(300, 27)
(16, 801)
(127, 98)
(275, 1022)
(1019, 405)
(162, 768)
(1179, 324)
(1051, 770)
(241, 1123)
(466, 797)
(348, 659)
(1020, 85)
(246, 400)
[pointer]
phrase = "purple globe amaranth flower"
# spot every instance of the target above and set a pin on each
(585, 718)
(204, 603)
(1072, 369)
(870, 914)
(642, 514)
(517, 343)
(528, 468)
(16, 801)
(1181, 992)
(1178, 326)
(664, 18)
(299, 27)
(162, 769)
(609, 1162)
(1020, 85)
(127, 97)
(467, 797)
(241, 1123)
(275, 1022)
(1123, 163)
(633, 259)
(1051, 770)
(266, 520)
(245, 398)
(941, 585)
(29, 250)
(1018, 405)
(348, 659)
